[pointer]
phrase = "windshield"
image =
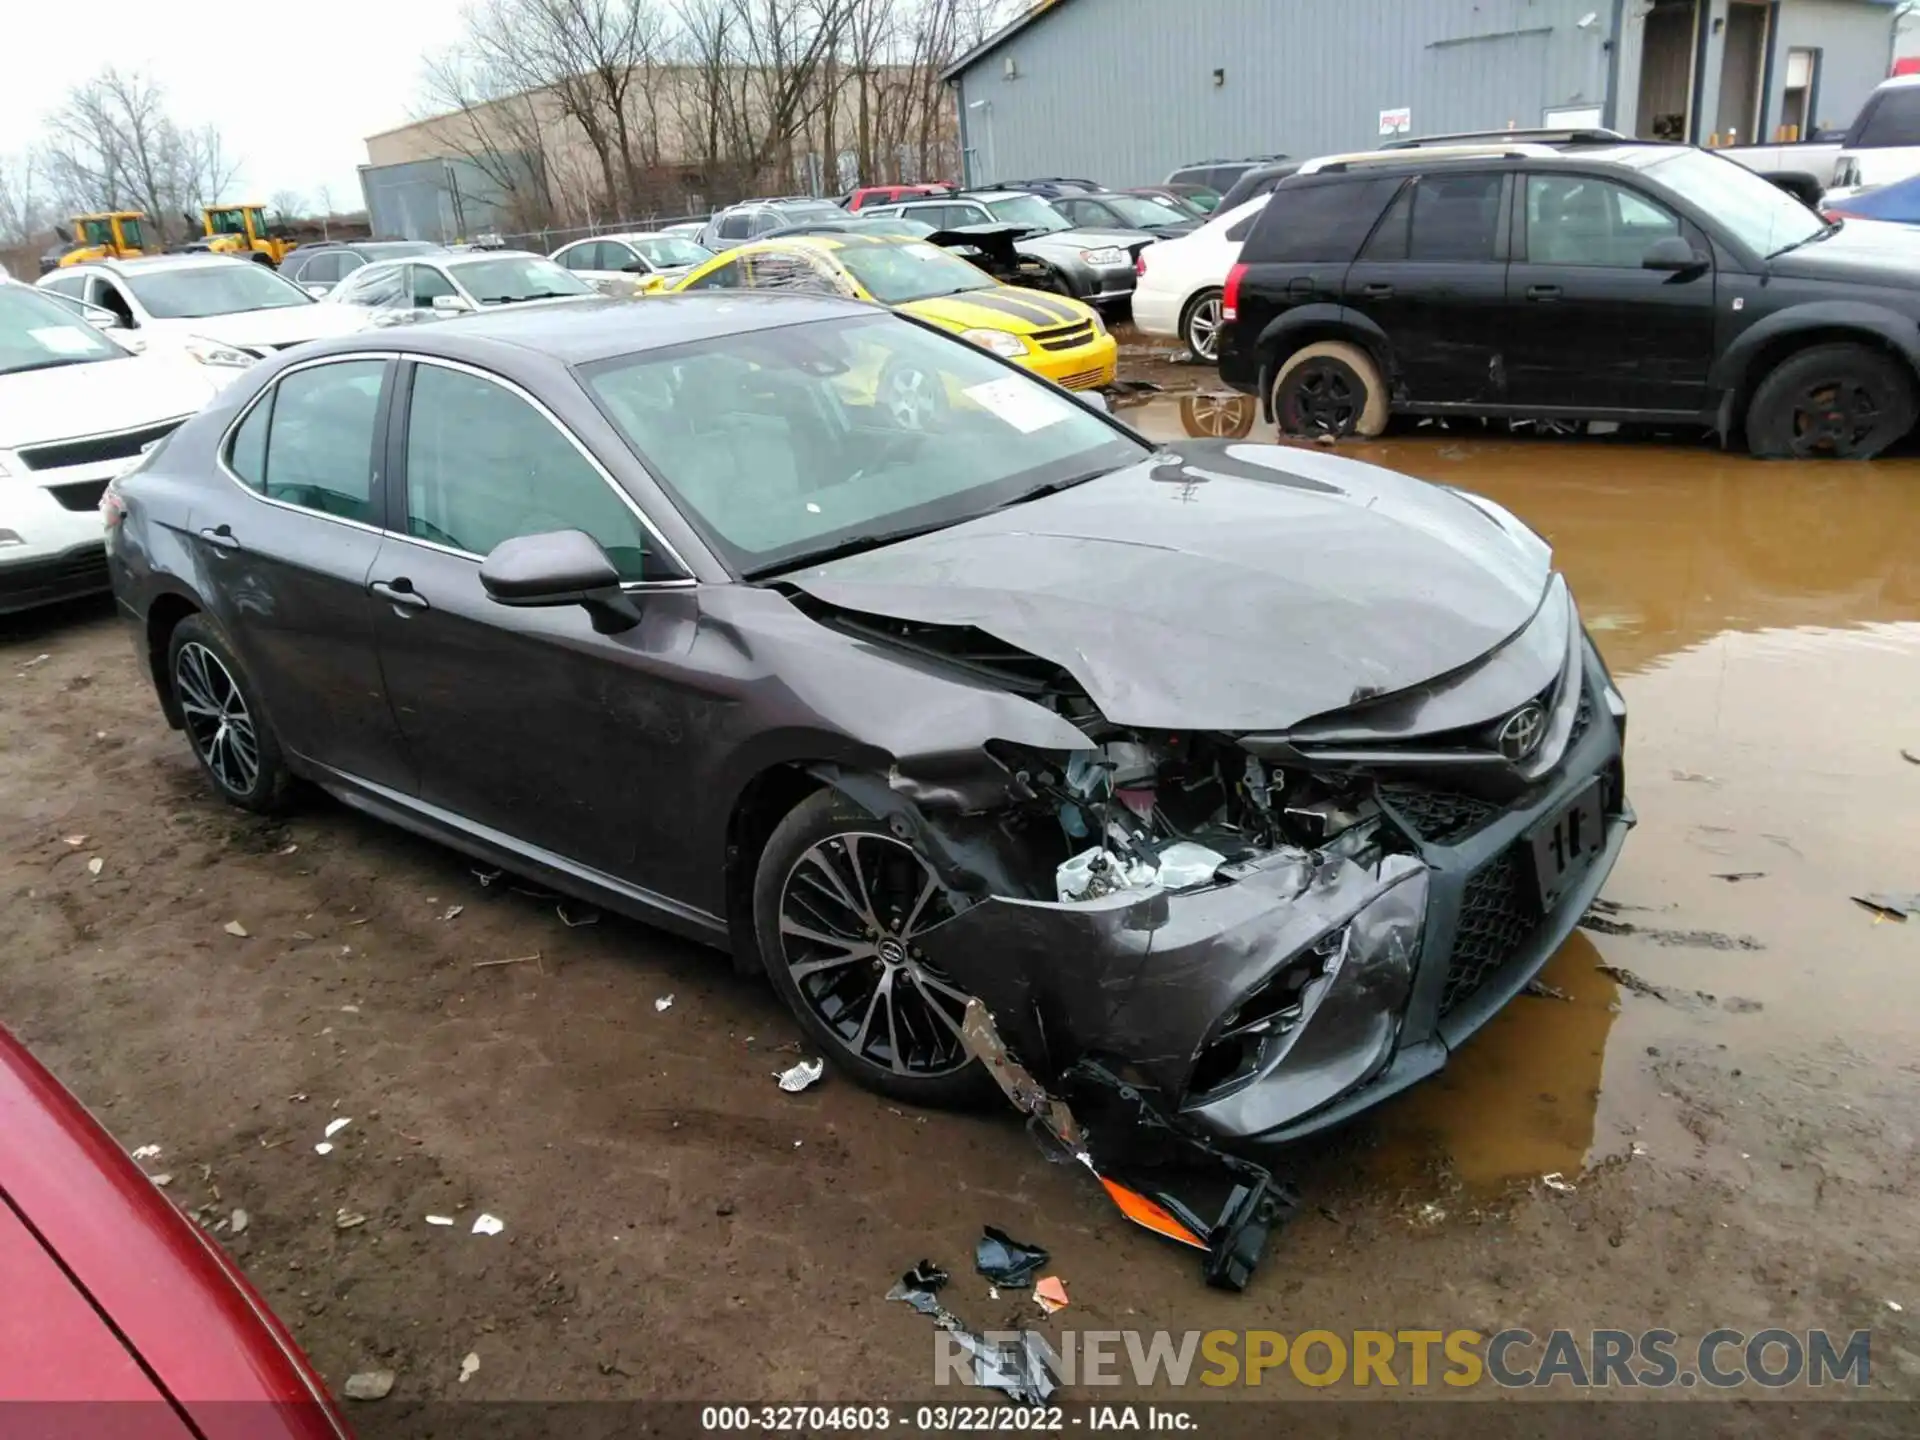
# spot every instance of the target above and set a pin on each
(1760, 215)
(668, 251)
(1030, 211)
(784, 444)
(508, 279)
(1138, 210)
(894, 274)
(38, 332)
(225, 287)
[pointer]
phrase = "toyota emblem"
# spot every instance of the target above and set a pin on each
(1521, 731)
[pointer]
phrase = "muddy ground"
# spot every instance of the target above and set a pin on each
(1728, 1084)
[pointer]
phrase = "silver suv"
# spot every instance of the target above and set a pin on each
(750, 219)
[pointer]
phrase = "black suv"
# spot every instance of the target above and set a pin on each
(1582, 281)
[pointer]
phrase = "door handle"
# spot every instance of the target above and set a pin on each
(400, 592)
(1543, 292)
(221, 537)
(1377, 290)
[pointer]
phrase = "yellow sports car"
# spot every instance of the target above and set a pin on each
(1051, 335)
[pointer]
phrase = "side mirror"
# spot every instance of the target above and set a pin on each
(318, 292)
(563, 567)
(450, 305)
(1674, 254)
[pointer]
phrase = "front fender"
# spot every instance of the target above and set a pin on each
(1820, 318)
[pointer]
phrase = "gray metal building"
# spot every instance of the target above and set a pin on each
(1124, 91)
(441, 199)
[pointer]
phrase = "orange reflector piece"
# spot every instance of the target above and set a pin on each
(1143, 1212)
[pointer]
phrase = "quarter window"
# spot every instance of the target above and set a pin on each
(484, 466)
(428, 283)
(1580, 220)
(310, 442)
(1320, 222)
(735, 226)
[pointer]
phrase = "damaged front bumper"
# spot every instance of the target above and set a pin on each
(1302, 987)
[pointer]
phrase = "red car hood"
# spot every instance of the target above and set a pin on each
(121, 1297)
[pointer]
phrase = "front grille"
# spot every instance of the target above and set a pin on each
(1085, 380)
(1582, 720)
(1440, 817)
(83, 495)
(1066, 337)
(1495, 920)
(123, 445)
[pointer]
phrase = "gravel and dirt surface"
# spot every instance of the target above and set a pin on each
(1723, 1072)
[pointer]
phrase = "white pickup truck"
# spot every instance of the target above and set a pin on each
(1806, 168)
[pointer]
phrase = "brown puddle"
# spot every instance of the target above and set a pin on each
(1763, 621)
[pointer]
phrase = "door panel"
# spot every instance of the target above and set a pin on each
(529, 721)
(1589, 327)
(1433, 278)
(290, 566)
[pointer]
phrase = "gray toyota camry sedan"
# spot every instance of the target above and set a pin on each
(1255, 776)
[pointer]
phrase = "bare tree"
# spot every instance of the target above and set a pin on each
(26, 212)
(288, 205)
(496, 124)
(114, 146)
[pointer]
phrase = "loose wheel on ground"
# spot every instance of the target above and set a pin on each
(840, 906)
(1330, 388)
(1839, 402)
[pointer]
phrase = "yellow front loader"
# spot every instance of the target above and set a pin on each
(243, 230)
(112, 235)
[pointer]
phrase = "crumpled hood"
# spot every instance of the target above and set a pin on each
(65, 402)
(1222, 586)
(1087, 239)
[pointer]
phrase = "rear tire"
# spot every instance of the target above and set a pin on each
(226, 725)
(1832, 402)
(1200, 326)
(837, 903)
(1330, 388)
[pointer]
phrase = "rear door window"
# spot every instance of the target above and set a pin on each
(1318, 222)
(315, 449)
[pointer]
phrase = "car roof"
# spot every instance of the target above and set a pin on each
(600, 329)
(1637, 154)
(148, 264)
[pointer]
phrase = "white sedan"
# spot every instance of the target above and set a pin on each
(76, 408)
(618, 264)
(1181, 280)
(222, 312)
(399, 292)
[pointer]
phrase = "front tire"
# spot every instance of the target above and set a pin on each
(1200, 326)
(226, 725)
(1330, 388)
(1832, 402)
(838, 902)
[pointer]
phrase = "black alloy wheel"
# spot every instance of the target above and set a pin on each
(1322, 397)
(842, 908)
(226, 726)
(1832, 402)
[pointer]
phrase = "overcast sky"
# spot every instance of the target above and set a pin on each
(294, 91)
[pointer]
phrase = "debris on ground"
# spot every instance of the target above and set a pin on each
(1598, 919)
(325, 1147)
(1895, 1306)
(664, 1003)
(147, 1152)
(1005, 1261)
(453, 912)
(1688, 776)
(1050, 1294)
(533, 959)
(469, 1366)
(236, 929)
(348, 1219)
(1154, 1171)
(76, 841)
(161, 1180)
(574, 915)
(95, 865)
(290, 850)
(369, 1385)
(1544, 991)
(1734, 877)
(1015, 1368)
(439, 1219)
(925, 1276)
(488, 1225)
(238, 1222)
(801, 1076)
(1432, 1214)
(1890, 907)
(337, 1124)
(1557, 1183)
(488, 877)
(37, 660)
(1910, 757)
